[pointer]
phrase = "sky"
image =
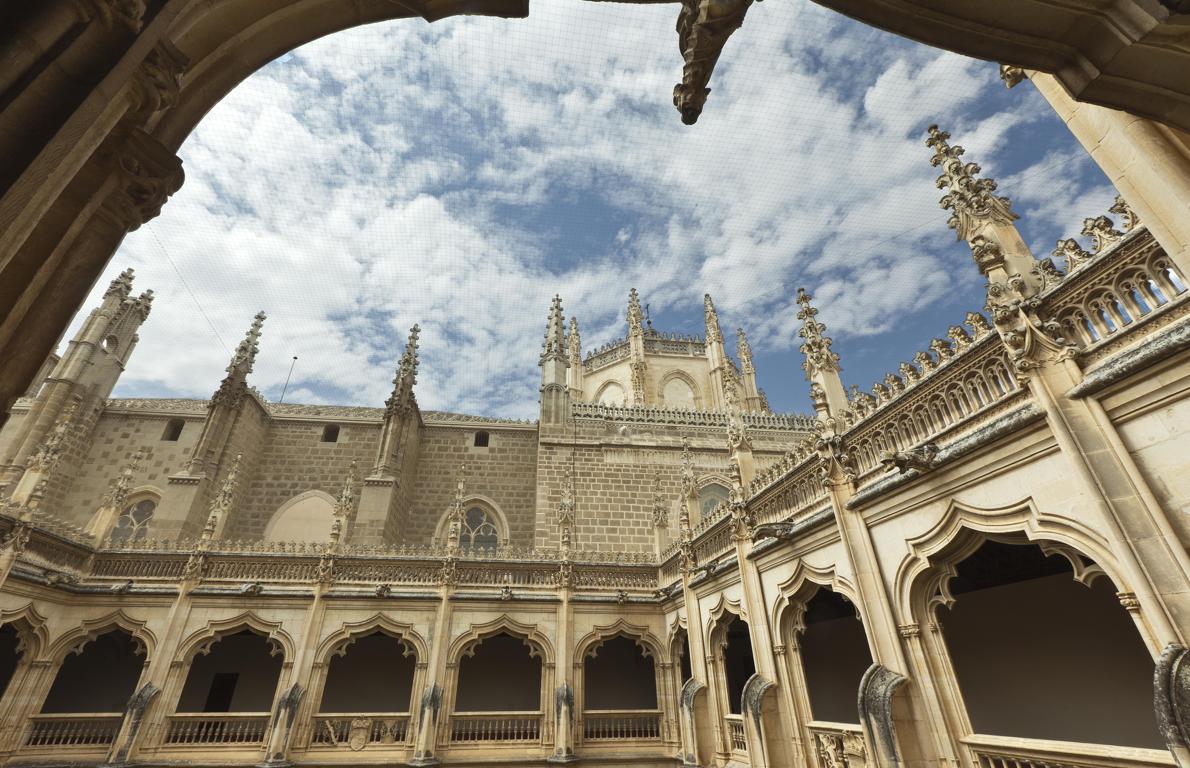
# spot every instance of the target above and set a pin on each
(459, 174)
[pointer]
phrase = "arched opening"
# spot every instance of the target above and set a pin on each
(237, 673)
(478, 531)
(372, 675)
(620, 692)
(173, 430)
(738, 664)
(306, 517)
(99, 676)
(834, 654)
(10, 655)
(498, 693)
(681, 652)
(1039, 655)
(710, 496)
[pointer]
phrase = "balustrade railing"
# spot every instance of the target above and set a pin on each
(838, 745)
(489, 727)
(243, 729)
(621, 725)
(359, 729)
(735, 733)
(73, 730)
(1012, 752)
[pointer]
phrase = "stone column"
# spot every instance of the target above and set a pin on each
(429, 714)
(565, 714)
(1149, 163)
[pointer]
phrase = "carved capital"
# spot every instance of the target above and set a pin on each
(129, 14)
(145, 175)
(156, 84)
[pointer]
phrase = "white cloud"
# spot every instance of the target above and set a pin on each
(447, 174)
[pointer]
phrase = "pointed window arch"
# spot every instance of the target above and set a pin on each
(135, 520)
(710, 496)
(484, 529)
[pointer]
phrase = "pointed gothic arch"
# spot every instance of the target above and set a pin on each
(307, 514)
(30, 627)
(493, 513)
(201, 640)
(695, 393)
(338, 640)
(537, 641)
(74, 640)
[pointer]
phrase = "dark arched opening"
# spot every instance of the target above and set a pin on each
(239, 674)
(373, 674)
(1039, 655)
(498, 696)
(100, 678)
(619, 675)
(835, 654)
(10, 655)
(738, 664)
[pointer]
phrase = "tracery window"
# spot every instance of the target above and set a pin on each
(133, 522)
(710, 496)
(479, 530)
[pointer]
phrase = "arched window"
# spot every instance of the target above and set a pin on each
(738, 664)
(173, 430)
(501, 674)
(618, 675)
(133, 523)
(711, 496)
(481, 439)
(99, 678)
(373, 673)
(479, 530)
(834, 654)
(330, 433)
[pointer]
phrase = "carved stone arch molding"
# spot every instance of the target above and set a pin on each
(204, 639)
(686, 379)
(923, 575)
(716, 617)
(292, 502)
(795, 592)
(499, 518)
(536, 641)
(337, 643)
(588, 646)
(74, 640)
(32, 637)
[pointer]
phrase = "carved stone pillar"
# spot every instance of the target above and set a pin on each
(429, 712)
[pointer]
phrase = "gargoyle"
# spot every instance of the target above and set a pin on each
(782, 531)
(920, 458)
(707, 568)
(703, 29)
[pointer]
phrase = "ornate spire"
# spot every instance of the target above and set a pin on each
(220, 506)
(121, 287)
(636, 317)
(660, 513)
(343, 507)
(232, 388)
(574, 344)
(456, 513)
(406, 376)
(744, 351)
(971, 199)
(712, 318)
(816, 346)
(554, 347)
(46, 457)
(117, 492)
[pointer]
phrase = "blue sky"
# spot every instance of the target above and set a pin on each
(459, 174)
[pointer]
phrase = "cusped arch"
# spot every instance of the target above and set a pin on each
(963, 528)
(589, 644)
(74, 640)
(215, 630)
(342, 638)
(537, 641)
(32, 636)
(717, 617)
(800, 588)
(612, 386)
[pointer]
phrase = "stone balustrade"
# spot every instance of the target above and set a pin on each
(621, 725)
(73, 730)
(1014, 752)
(488, 727)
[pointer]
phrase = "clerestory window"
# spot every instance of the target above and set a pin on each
(479, 530)
(133, 523)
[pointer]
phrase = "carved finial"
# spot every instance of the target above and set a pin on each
(1012, 75)
(554, 346)
(660, 513)
(456, 514)
(233, 386)
(1070, 252)
(635, 316)
(220, 506)
(816, 346)
(574, 344)
(712, 319)
(46, 457)
(401, 398)
(1102, 231)
(744, 350)
(970, 198)
(980, 326)
(1125, 212)
(346, 501)
(117, 492)
(121, 286)
(566, 509)
(688, 481)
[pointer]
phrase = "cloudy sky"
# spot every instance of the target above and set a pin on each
(459, 174)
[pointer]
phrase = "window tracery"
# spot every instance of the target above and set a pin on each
(134, 522)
